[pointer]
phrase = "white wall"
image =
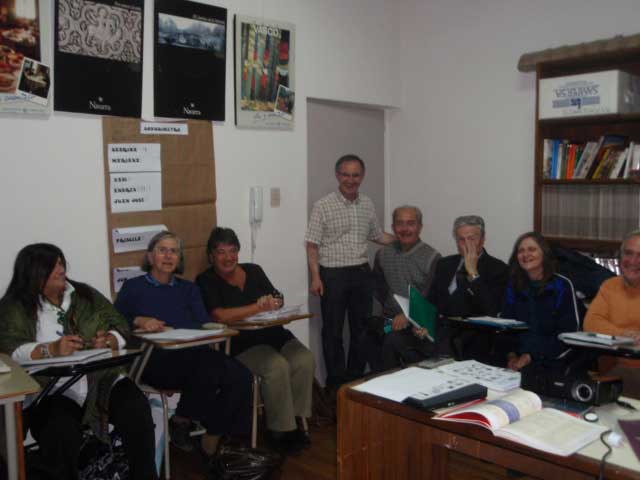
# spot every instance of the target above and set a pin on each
(52, 182)
(463, 139)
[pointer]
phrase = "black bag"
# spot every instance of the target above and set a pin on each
(243, 463)
(99, 461)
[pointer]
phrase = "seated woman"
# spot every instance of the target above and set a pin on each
(540, 297)
(215, 389)
(44, 314)
(233, 292)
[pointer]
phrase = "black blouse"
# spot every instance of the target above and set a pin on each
(217, 293)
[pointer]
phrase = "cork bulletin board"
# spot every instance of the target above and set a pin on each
(188, 191)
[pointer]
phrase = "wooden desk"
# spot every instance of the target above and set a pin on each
(258, 324)
(382, 439)
(14, 386)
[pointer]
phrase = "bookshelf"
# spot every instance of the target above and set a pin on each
(589, 215)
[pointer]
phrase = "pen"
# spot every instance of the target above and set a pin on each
(601, 335)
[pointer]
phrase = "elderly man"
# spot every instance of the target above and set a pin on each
(467, 284)
(407, 261)
(340, 225)
(616, 311)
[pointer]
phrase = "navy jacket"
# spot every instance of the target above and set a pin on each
(548, 312)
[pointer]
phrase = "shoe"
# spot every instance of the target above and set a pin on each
(303, 438)
(180, 434)
(285, 443)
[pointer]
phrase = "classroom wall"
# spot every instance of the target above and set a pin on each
(462, 140)
(52, 183)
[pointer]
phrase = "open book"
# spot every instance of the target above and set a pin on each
(519, 417)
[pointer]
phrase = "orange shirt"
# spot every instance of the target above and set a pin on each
(615, 311)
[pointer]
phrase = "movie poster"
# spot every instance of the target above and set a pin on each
(25, 56)
(190, 60)
(264, 73)
(98, 57)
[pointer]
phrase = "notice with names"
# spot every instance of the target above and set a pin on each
(136, 192)
(134, 157)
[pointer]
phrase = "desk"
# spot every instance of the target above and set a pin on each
(273, 322)
(382, 439)
(215, 338)
(14, 386)
(75, 371)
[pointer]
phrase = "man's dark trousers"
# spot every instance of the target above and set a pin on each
(346, 290)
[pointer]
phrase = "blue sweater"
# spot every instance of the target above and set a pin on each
(178, 304)
(547, 311)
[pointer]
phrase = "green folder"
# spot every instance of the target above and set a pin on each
(422, 311)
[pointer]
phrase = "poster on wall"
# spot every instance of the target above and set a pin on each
(264, 73)
(190, 60)
(25, 56)
(98, 57)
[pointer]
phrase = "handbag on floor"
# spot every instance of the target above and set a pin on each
(243, 463)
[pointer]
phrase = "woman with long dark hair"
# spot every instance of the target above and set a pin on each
(45, 314)
(540, 297)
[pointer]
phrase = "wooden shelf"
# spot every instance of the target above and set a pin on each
(607, 181)
(591, 119)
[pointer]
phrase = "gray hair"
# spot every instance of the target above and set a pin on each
(146, 265)
(626, 238)
(468, 220)
(408, 207)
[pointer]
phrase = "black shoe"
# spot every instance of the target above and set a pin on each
(303, 438)
(180, 434)
(285, 443)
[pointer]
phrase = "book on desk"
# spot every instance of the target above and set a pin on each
(519, 417)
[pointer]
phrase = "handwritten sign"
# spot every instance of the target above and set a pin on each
(136, 192)
(120, 275)
(134, 157)
(132, 239)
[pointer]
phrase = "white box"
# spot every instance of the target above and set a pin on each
(598, 93)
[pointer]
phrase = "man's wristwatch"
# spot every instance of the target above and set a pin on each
(44, 350)
(471, 278)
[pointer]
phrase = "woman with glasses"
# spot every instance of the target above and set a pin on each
(45, 314)
(232, 292)
(215, 389)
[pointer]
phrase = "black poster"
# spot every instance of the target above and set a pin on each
(98, 56)
(190, 60)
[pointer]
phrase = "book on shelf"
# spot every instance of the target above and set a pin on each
(618, 169)
(585, 159)
(632, 168)
(519, 417)
(605, 143)
(547, 157)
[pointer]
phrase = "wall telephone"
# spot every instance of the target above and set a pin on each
(255, 205)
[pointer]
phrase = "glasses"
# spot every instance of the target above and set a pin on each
(167, 250)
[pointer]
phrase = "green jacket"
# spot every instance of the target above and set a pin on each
(85, 318)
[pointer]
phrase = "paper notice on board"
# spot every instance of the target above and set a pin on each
(136, 192)
(134, 157)
(132, 239)
(124, 273)
(157, 128)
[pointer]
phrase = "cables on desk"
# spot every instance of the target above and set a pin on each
(603, 461)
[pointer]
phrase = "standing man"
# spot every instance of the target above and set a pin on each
(336, 241)
(616, 311)
(407, 261)
(469, 283)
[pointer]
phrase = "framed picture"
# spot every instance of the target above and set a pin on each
(264, 73)
(190, 60)
(25, 44)
(98, 57)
